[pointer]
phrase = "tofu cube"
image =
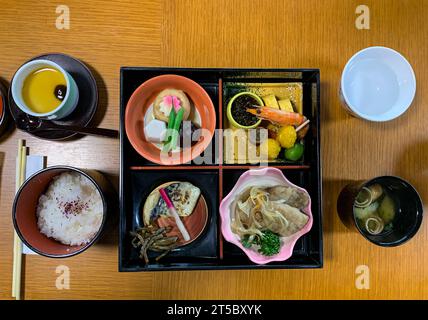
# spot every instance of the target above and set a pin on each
(155, 131)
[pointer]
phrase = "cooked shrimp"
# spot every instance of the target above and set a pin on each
(277, 116)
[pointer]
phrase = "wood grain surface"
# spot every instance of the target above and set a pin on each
(229, 33)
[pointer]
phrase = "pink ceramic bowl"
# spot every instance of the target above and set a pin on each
(267, 177)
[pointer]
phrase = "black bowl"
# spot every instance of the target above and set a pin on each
(409, 212)
(4, 110)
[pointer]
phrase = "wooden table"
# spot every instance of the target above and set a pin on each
(229, 33)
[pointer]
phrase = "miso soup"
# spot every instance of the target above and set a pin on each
(375, 209)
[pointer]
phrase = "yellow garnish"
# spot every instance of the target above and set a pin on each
(286, 136)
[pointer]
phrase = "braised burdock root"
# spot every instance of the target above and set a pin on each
(153, 238)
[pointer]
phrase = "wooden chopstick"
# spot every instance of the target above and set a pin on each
(18, 168)
(16, 238)
(21, 162)
(19, 251)
(23, 165)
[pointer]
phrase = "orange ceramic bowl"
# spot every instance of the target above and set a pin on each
(25, 206)
(140, 102)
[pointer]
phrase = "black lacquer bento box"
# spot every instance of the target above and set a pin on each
(210, 251)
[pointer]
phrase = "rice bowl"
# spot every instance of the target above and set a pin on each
(71, 209)
(29, 203)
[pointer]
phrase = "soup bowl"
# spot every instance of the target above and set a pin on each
(408, 215)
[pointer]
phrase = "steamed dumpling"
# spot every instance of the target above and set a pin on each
(274, 208)
(291, 196)
(296, 220)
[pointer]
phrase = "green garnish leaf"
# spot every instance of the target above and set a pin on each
(246, 242)
(388, 227)
(270, 243)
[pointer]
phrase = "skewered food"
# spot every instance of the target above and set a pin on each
(286, 136)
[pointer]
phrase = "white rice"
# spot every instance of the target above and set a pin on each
(71, 210)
